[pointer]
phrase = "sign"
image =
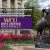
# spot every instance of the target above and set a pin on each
(15, 23)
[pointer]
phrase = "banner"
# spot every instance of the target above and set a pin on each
(15, 23)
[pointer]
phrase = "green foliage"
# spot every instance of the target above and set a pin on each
(34, 3)
(7, 47)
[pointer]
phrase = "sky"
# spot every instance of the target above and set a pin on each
(44, 4)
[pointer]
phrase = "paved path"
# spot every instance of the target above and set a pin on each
(19, 47)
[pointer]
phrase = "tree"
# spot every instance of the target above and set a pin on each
(34, 3)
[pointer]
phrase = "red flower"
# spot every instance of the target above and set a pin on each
(25, 36)
(1, 37)
(6, 37)
(15, 37)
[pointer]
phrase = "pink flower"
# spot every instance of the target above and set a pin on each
(1, 46)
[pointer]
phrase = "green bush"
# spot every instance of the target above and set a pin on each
(6, 47)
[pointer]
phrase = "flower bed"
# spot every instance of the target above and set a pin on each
(10, 38)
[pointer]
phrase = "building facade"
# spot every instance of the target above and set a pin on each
(12, 3)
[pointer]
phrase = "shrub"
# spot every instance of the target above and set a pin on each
(6, 47)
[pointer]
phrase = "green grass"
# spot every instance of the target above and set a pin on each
(29, 41)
